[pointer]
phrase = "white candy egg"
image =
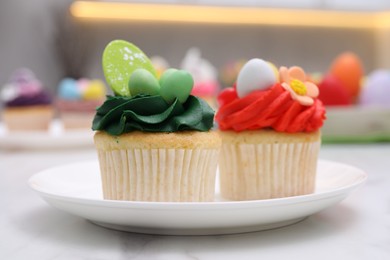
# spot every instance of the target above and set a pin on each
(256, 74)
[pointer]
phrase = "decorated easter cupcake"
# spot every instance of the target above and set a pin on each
(270, 133)
(153, 138)
(77, 101)
(27, 105)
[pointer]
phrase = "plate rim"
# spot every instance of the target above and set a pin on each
(214, 205)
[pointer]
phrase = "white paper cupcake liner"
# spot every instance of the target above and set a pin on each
(176, 175)
(264, 171)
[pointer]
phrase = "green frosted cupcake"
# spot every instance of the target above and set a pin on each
(154, 140)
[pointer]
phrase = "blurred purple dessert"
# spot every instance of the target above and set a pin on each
(27, 104)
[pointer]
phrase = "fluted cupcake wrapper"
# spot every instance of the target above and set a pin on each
(176, 175)
(264, 171)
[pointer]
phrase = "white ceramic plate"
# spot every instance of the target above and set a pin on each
(76, 188)
(55, 137)
(356, 124)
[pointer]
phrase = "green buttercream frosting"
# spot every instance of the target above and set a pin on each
(147, 113)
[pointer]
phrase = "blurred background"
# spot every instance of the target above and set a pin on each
(65, 39)
(38, 34)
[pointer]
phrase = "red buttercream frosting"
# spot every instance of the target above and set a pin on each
(271, 108)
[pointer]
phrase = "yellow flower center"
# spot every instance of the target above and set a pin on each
(298, 87)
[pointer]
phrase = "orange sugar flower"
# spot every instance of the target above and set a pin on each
(294, 80)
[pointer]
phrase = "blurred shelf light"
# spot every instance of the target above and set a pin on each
(228, 15)
(382, 20)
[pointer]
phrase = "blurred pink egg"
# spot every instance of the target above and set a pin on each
(83, 84)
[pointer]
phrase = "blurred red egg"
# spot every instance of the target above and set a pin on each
(333, 93)
(348, 68)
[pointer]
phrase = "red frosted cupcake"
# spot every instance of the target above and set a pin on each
(270, 133)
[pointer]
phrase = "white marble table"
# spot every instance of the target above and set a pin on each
(357, 228)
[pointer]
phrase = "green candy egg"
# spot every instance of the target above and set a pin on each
(143, 82)
(120, 60)
(166, 74)
(177, 84)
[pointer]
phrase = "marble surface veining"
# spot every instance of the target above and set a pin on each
(356, 228)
